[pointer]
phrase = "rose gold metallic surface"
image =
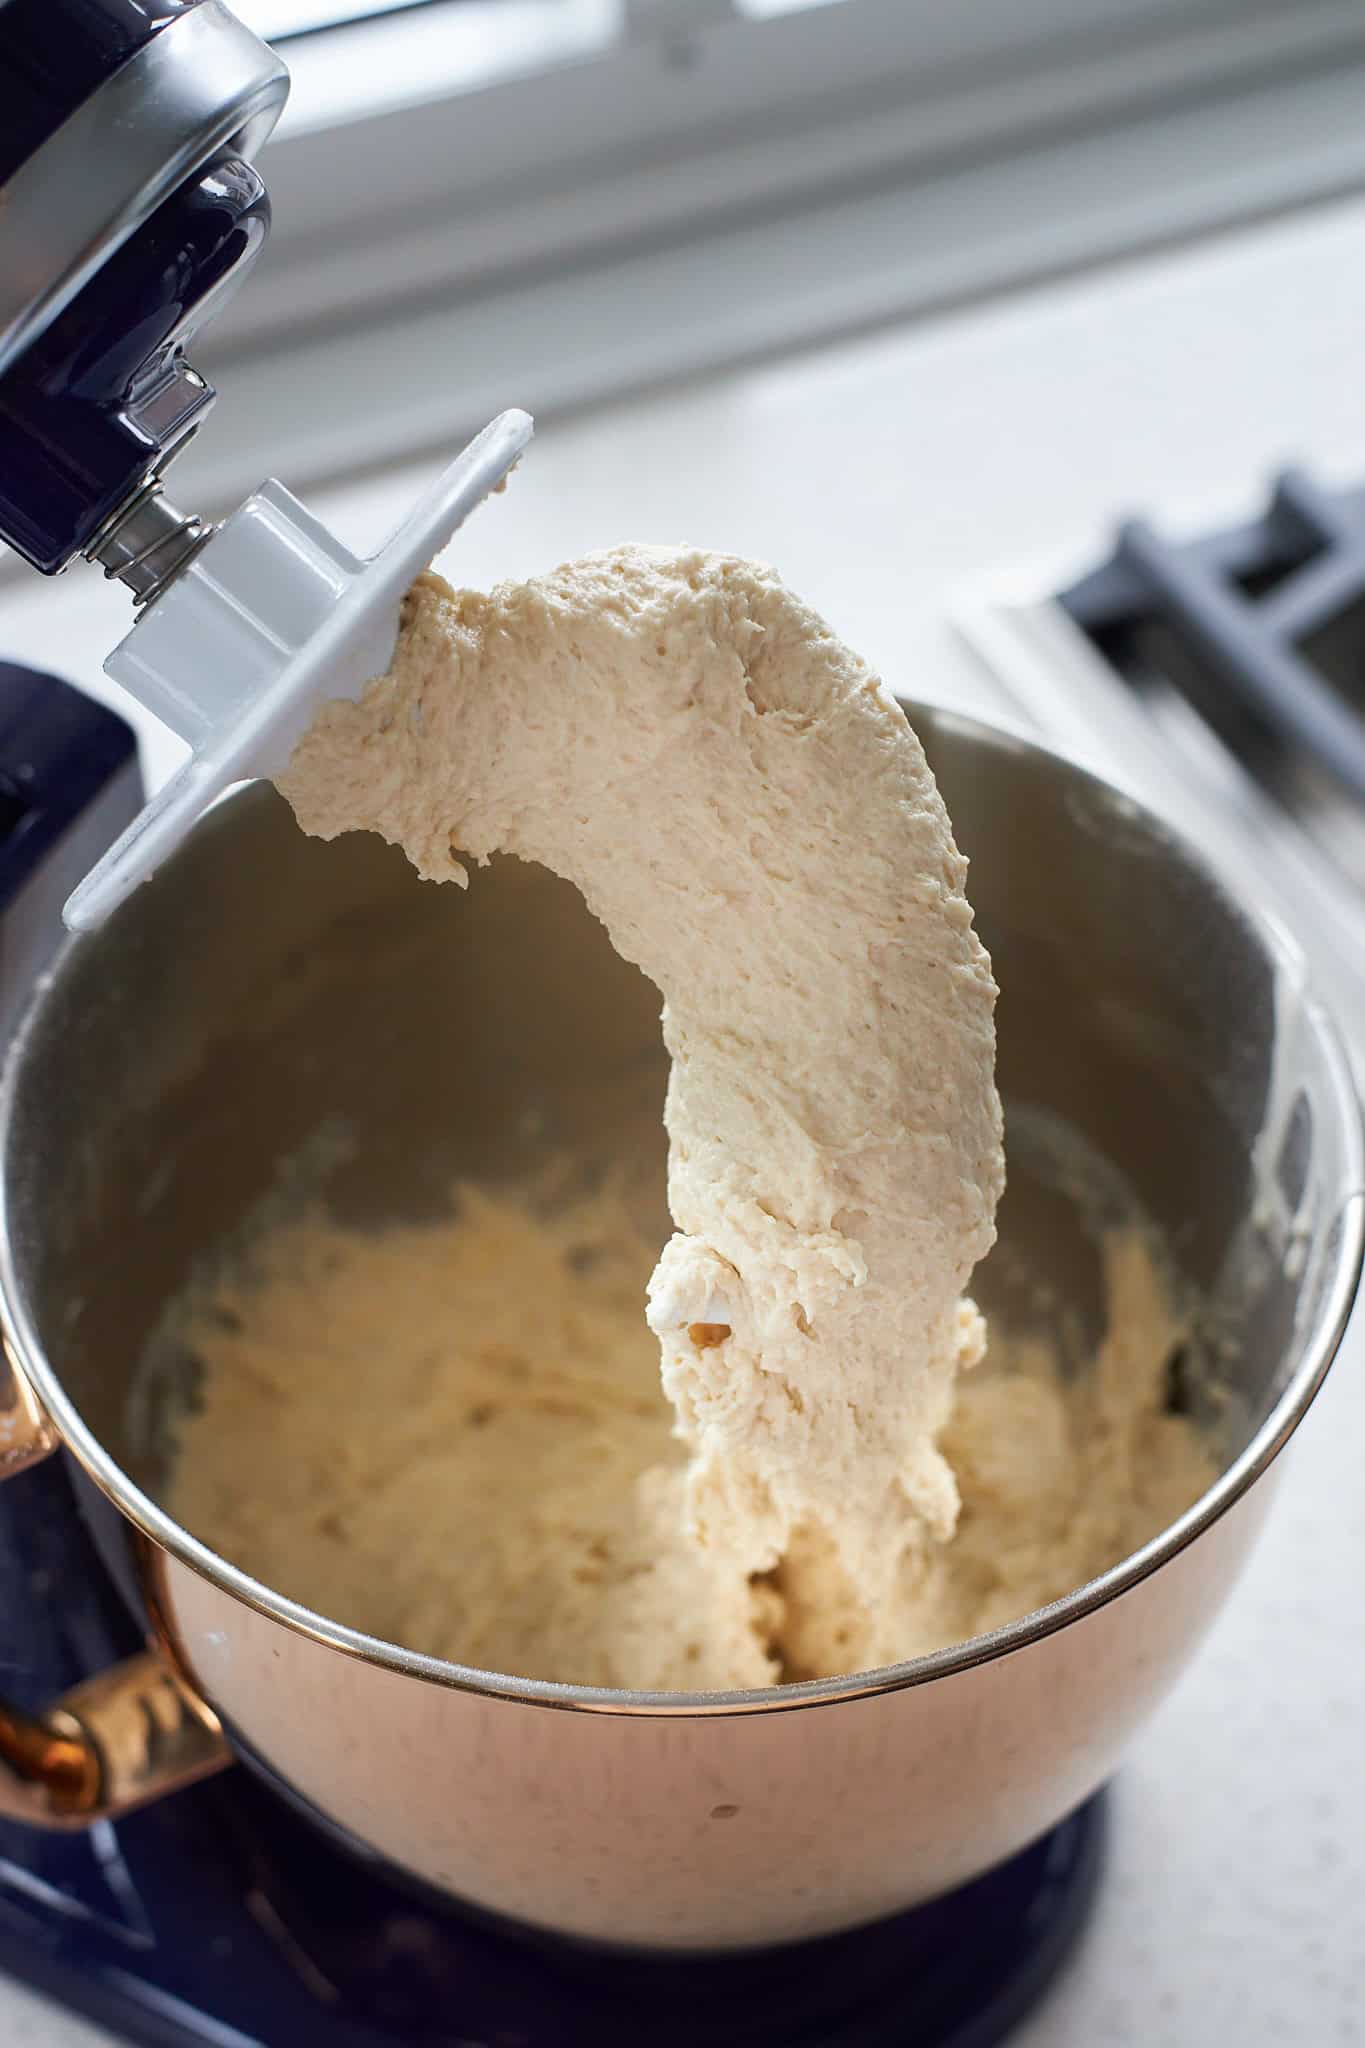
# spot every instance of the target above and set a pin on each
(709, 1831)
(26, 1435)
(115, 1742)
(265, 995)
(49, 1773)
(128, 1736)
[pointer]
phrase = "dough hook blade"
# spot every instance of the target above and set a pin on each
(270, 617)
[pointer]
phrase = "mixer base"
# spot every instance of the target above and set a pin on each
(222, 1917)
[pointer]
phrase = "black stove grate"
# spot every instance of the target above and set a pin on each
(1262, 625)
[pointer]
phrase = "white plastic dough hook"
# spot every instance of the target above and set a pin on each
(271, 617)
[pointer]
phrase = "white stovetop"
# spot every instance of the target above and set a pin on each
(1234, 1908)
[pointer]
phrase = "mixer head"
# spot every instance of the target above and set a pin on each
(130, 211)
(270, 617)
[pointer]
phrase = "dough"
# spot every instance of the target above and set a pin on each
(456, 1440)
(755, 823)
(457, 1435)
(452, 1436)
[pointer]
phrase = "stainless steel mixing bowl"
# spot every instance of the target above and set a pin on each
(265, 986)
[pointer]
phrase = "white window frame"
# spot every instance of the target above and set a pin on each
(621, 122)
(623, 193)
(631, 192)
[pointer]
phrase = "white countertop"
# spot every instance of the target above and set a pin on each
(877, 474)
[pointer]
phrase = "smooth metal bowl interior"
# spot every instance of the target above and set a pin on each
(266, 989)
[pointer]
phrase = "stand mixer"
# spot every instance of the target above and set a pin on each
(105, 280)
(130, 210)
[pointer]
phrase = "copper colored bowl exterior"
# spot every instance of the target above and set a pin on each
(263, 984)
(702, 1830)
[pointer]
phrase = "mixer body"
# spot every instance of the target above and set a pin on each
(131, 211)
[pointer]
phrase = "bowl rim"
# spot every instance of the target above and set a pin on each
(1319, 1347)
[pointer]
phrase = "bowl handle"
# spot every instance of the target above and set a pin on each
(133, 1734)
(26, 1435)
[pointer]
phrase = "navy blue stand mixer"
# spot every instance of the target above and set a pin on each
(131, 208)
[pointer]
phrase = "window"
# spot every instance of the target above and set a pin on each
(277, 20)
(584, 194)
(439, 143)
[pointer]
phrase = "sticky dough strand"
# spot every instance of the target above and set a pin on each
(755, 824)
